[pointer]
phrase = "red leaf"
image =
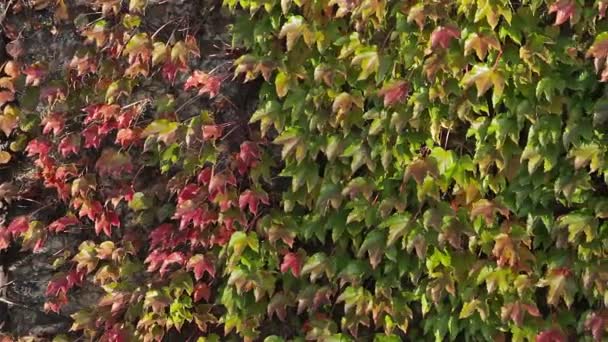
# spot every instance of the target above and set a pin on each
(251, 199)
(173, 258)
(248, 156)
(161, 234)
(202, 291)
(127, 136)
(201, 264)
(293, 262)
(155, 259)
(18, 225)
(565, 10)
(92, 137)
(53, 122)
(34, 74)
(89, 208)
(6, 96)
(394, 93)
(205, 176)
(188, 192)
(552, 335)
(69, 145)
(443, 35)
(61, 224)
(105, 223)
(38, 147)
(212, 132)
(113, 163)
(204, 82)
(5, 238)
(596, 322)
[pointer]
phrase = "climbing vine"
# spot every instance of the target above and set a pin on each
(414, 170)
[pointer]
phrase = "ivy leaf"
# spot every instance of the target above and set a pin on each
(397, 225)
(552, 335)
(206, 84)
(564, 9)
(561, 286)
(577, 223)
(292, 262)
(395, 92)
(200, 264)
(484, 77)
(480, 44)
(374, 244)
(369, 62)
(443, 35)
(294, 28)
(488, 209)
(113, 163)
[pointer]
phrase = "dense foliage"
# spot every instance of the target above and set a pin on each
(445, 167)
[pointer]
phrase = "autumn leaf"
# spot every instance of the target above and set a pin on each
(206, 84)
(200, 264)
(564, 9)
(484, 77)
(18, 225)
(69, 145)
(561, 286)
(113, 163)
(443, 35)
(35, 74)
(480, 43)
(53, 122)
(251, 200)
(62, 223)
(552, 335)
(394, 93)
(488, 210)
(292, 262)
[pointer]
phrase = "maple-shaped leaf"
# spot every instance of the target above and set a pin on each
(128, 136)
(89, 208)
(201, 291)
(69, 145)
(420, 169)
(579, 223)
(92, 136)
(5, 238)
(18, 225)
(138, 48)
(251, 199)
(294, 28)
(484, 77)
(173, 258)
(62, 223)
(443, 35)
(205, 83)
(96, 33)
(599, 51)
(374, 245)
(200, 264)
(34, 74)
(597, 323)
(561, 286)
(38, 147)
(53, 122)
(6, 96)
(248, 156)
(564, 9)
(278, 305)
(83, 65)
(292, 262)
(163, 128)
(516, 311)
(394, 93)
(212, 132)
(113, 163)
(105, 222)
(480, 43)
(552, 335)
(160, 53)
(488, 209)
